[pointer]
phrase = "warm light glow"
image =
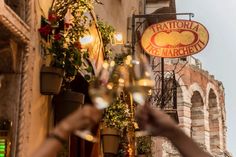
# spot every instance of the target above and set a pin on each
(139, 98)
(150, 92)
(128, 60)
(105, 65)
(110, 86)
(87, 39)
(146, 82)
(112, 64)
(118, 38)
(121, 81)
(101, 103)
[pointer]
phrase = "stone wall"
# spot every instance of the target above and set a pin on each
(201, 109)
(118, 13)
(21, 101)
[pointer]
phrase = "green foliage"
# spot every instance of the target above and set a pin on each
(123, 147)
(107, 32)
(117, 115)
(144, 145)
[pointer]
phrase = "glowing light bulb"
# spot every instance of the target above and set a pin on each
(118, 38)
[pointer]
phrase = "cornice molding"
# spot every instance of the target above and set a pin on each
(14, 23)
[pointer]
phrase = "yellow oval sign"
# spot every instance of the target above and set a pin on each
(175, 38)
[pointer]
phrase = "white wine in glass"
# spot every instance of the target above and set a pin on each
(141, 83)
(100, 92)
(141, 80)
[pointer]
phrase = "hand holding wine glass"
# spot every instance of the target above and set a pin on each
(101, 89)
(155, 121)
(102, 94)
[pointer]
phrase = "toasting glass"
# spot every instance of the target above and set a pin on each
(141, 78)
(141, 82)
(102, 93)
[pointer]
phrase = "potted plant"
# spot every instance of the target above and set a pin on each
(144, 146)
(60, 42)
(116, 119)
(51, 76)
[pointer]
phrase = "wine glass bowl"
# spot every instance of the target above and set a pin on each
(141, 81)
(101, 90)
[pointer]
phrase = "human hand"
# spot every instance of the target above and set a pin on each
(155, 121)
(82, 118)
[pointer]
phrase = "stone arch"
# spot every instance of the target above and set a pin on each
(195, 87)
(182, 89)
(212, 87)
(197, 118)
(214, 122)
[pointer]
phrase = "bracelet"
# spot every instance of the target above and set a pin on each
(57, 137)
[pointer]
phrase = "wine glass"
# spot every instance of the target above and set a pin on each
(141, 78)
(141, 82)
(102, 93)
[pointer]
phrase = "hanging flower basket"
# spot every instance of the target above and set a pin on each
(51, 80)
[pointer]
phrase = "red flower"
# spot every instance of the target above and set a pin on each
(57, 37)
(67, 25)
(52, 17)
(46, 30)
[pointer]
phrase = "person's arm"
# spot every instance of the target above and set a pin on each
(186, 146)
(160, 124)
(80, 119)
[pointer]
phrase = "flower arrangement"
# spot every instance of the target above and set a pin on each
(60, 38)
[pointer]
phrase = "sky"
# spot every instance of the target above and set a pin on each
(219, 57)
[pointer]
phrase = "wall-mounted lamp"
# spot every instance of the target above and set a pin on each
(117, 39)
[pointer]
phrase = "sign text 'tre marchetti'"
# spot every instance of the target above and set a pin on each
(175, 38)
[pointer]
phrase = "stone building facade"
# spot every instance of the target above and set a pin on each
(201, 107)
(21, 59)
